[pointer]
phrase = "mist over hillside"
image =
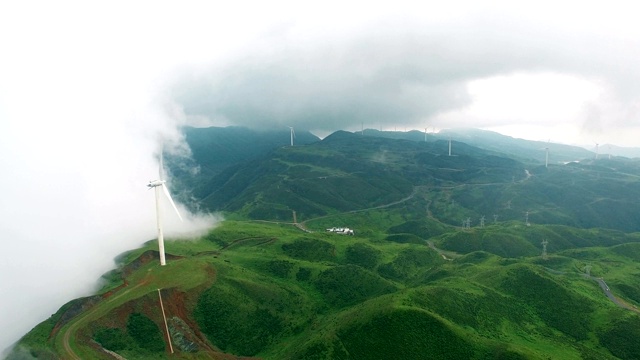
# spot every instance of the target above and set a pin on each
(456, 250)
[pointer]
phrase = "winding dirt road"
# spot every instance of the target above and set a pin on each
(79, 322)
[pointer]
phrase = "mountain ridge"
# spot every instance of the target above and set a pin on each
(445, 262)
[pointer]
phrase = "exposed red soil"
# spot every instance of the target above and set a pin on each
(176, 304)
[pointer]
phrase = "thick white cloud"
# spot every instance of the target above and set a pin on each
(87, 90)
(81, 116)
(466, 64)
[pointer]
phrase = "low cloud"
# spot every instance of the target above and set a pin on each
(85, 104)
(410, 72)
(74, 190)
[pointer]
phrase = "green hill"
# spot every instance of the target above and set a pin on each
(277, 293)
(527, 151)
(350, 172)
(214, 149)
(412, 283)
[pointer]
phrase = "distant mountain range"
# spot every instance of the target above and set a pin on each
(482, 254)
(351, 171)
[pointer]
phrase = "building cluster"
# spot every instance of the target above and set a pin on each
(342, 231)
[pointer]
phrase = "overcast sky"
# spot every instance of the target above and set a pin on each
(87, 92)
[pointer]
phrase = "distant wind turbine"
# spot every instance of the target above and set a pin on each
(546, 158)
(597, 150)
(425, 134)
(157, 184)
(449, 145)
(293, 135)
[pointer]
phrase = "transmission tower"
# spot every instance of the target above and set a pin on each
(544, 249)
(495, 218)
(526, 218)
(509, 204)
(468, 223)
(482, 221)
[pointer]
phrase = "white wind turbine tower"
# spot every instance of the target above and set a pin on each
(546, 158)
(293, 134)
(597, 150)
(425, 134)
(157, 184)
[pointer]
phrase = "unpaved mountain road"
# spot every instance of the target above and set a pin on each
(77, 323)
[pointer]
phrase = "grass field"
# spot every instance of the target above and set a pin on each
(272, 291)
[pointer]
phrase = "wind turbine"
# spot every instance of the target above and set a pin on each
(449, 145)
(597, 150)
(293, 135)
(425, 134)
(546, 158)
(157, 185)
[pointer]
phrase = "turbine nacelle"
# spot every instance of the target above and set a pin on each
(155, 183)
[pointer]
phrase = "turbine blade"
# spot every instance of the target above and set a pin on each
(161, 167)
(166, 192)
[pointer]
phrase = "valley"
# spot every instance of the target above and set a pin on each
(446, 261)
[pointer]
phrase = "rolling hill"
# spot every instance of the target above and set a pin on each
(412, 283)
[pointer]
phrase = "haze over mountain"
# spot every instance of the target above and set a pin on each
(453, 256)
(89, 91)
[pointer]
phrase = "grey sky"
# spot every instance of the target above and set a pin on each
(87, 90)
(414, 70)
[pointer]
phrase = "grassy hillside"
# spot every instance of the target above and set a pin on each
(348, 172)
(214, 149)
(412, 283)
(526, 151)
(271, 291)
